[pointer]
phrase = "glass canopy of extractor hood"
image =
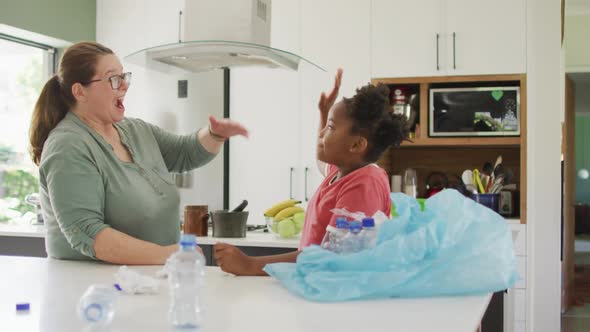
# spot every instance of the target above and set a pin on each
(200, 56)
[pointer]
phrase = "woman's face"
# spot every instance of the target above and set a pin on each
(335, 140)
(102, 102)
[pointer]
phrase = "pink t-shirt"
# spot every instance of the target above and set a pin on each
(364, 190)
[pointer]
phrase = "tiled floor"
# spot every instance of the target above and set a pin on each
(577, 319)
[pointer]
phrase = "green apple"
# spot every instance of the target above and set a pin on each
(298, 220)
(286, 228)
(275, 226)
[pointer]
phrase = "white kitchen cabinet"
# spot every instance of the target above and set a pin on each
(485, 37)
(447, 37)
(515, 298)
(334, 34)
(164, 22)
(406, 38)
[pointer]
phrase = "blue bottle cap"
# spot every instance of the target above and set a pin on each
(188, 240)
(23, 306)
(368, 222)
(117, 287)
(341, 222)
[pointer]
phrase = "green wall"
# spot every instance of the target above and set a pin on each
(70, 20)
(577, 48)
(582, 152)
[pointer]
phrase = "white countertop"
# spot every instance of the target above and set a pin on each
(243, 304)
(252, 239)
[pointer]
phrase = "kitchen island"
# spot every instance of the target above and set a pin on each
(258, 304)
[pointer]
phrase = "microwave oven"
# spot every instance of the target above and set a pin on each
(474, 111)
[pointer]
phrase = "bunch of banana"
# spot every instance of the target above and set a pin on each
(284, 209)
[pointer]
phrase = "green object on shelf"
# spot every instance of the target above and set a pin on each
(422, 201)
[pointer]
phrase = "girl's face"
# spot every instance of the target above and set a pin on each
(336, 145)
(104, 103)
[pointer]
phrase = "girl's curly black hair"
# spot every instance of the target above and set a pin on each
(372, 118)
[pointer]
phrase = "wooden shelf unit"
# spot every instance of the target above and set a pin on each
(453, 154)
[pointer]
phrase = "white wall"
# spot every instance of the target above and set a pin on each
(545, 105)
(153, 95)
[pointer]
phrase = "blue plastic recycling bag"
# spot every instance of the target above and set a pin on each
(455, 247)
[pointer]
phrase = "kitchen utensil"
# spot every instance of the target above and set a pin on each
(498, 161)
(487, 169)
(229, 223)
(467, 177)
(498, 184)
(241, 207)
(477, 180)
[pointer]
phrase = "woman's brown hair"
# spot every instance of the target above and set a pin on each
(78, 64)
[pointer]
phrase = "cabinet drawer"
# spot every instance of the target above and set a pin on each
(519, 239)
(521, 266)
(520, 305)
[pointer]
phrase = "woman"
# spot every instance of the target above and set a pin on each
(105, 187)
(353, 134)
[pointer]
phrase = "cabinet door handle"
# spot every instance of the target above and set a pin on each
(454, 64)
(179, 25)
(437, 51)
(291, 182)
(305, 184)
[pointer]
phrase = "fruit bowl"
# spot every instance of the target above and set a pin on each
(286, 228)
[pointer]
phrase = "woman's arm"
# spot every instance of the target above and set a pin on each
(232, 260)
(116, 247)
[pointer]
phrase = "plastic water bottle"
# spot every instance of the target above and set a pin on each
(186, 269)
(337, 236)
(368, 234)
(97, 305)
(352, 241)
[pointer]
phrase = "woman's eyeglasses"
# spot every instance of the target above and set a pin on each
(115, 80)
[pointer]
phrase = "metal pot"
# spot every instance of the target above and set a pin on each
(229, 223)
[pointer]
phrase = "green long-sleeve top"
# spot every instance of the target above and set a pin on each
(84, 187)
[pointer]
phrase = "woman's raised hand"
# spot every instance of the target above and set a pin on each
(226, 128)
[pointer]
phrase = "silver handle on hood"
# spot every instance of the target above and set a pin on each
(179, 25)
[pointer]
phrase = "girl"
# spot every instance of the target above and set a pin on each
(353, 134)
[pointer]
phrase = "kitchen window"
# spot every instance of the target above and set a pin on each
(25, 67)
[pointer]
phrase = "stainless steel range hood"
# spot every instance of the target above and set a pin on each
(199, 56)
(220, 34)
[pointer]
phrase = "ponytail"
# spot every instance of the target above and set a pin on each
(49, 110)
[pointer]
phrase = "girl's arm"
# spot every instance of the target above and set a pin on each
(232, 260)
